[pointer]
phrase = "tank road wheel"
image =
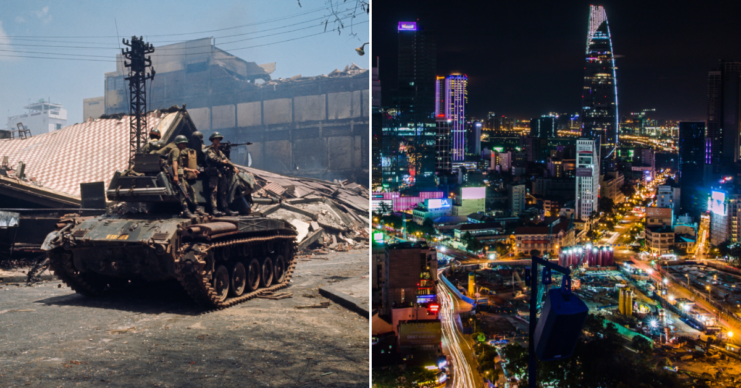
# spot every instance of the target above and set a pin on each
(266, 280)
(279, 269)
(225, 253)
(221, 283)
(253, 275)
(239, 279)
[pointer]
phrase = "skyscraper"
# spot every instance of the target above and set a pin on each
(450, 103)
(724, 107)
(587, 178)
(543, 127)
(691, 164)
(415, 102)
(599, 99)
(417, 64)
(443, 164)
(376, 130)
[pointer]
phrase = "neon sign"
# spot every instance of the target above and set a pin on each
(407, 26)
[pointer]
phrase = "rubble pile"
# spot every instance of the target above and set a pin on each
(328, 215)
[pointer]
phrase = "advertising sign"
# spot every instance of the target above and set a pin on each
(433, 204)
(407, 26)
(716, 203)
(658, 212)
(473, 193)
(581, 171)
(420, 333)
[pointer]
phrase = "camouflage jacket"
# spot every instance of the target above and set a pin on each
(216, 158)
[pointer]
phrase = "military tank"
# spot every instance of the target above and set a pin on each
(219, 261)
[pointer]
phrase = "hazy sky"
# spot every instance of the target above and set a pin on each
(38, 28)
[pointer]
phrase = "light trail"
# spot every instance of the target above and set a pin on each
(463, 376)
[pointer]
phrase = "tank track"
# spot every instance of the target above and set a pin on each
(202, 291)
(60, 262)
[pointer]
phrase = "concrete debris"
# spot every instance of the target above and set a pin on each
(328, 215)
(322, 305)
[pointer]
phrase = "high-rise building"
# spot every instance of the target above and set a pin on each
(692, 161)
(443, 164)
(724, 107)
(417, 65)
(376, 131)
(669, 197)
(516, 195)
(473, 137)
(599, 97)
(587, 178)
(415, 102)
(543, 127)
(450, 102)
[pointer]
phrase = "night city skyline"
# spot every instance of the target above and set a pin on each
(529, 71)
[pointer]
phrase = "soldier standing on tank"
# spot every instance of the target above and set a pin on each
(177, 159)
(196, 140)
(154, 135)
(219, 169)
(154, 146)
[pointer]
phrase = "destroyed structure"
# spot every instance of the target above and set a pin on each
(314, 127)
(40, 179)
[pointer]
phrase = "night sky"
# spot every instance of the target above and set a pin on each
(526, 58)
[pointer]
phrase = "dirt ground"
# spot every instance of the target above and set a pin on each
(153, 336)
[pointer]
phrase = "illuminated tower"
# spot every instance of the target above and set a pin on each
(450, 103)
(599, 97)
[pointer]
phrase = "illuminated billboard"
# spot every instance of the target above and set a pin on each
(407, 26)
(473, 193)
(716, 203)
(420, 334)
(433, 204)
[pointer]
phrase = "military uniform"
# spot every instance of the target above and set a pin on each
(218, 177)
(167, 149)
(180, 156)
(154, 135)
(147, 147)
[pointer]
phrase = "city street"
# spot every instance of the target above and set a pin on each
(456, 345)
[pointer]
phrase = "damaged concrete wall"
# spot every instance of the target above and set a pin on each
(315, 127)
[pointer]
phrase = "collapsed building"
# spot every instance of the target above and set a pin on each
(43, 177)
(314, 127)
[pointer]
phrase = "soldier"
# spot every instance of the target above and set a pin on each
(154, 135)
(219, 167)
(176, 159)
(196, 141)
(154, 146)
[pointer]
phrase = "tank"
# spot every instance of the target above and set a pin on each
(219, 261)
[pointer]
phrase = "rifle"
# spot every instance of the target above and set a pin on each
(226, 148)
(179, 185)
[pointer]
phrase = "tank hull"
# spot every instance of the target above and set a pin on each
(219, 261)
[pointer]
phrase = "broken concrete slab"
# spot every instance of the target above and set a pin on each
(352, 294)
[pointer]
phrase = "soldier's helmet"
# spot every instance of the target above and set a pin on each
(155, 133)
(155, 145)
(198, 134)
(180, 139)
(215, 135)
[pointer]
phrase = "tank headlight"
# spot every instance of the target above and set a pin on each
(160, 249)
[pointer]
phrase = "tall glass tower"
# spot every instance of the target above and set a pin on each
(450, 103)
(599, 99)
